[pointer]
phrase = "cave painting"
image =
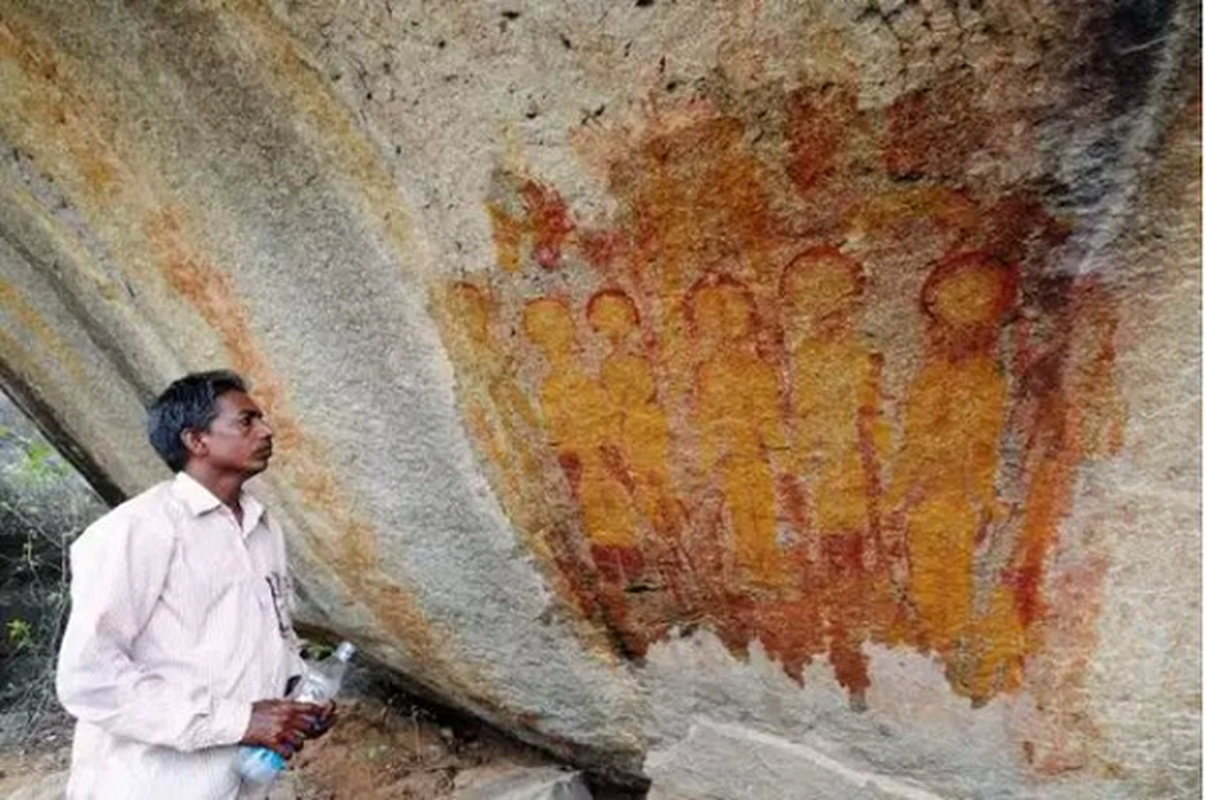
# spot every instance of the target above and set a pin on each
(814, 382)
(584, 431)
(944, 479)
(506, 426)
(496, 407)
(641, 433)
(735, 413)
(838, 443)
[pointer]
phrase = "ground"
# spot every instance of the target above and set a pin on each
(385, 746)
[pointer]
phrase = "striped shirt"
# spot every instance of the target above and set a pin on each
(179, 621)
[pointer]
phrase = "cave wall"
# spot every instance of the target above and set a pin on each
(816, 382)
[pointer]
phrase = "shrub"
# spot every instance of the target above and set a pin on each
(44, 505)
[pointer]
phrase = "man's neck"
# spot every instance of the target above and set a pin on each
(224, 486)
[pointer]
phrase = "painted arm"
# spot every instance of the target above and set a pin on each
(921, 414)
(704, 414)
(767, 405)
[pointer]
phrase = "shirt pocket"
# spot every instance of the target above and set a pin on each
(280, 592)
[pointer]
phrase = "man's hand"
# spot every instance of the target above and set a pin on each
(327, 714)
(282, 725)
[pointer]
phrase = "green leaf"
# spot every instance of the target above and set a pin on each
(20, 634)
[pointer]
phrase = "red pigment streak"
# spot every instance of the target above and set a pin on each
(550, 223)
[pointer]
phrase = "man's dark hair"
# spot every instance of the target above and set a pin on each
(190, 402)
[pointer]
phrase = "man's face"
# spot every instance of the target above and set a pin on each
(239, 439)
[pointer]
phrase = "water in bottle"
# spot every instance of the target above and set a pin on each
(319, 684)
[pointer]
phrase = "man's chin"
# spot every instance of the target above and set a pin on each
(257, 465)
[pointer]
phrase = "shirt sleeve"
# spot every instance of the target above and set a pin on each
(119, 570)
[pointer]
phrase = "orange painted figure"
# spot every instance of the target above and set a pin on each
(1070, 411)
(642, 450)
(501, 415)
(643, 435)
(580, 425)
(838, 441)
(1073, 413)
(582, 430)
(736, 414)
(944, 479)
(505, 425)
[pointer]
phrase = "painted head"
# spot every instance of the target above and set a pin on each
(549, 326)
(966, 297)
(821, 287)
(721, 309)
(612, 313)
(208, 417)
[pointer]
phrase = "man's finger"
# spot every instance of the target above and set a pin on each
(289, 744)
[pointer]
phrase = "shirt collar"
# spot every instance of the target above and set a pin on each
(252, 512)
(200, 500)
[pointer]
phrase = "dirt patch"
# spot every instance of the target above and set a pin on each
(19, 768)
(29, 754)
(384, 747)
(380, 751)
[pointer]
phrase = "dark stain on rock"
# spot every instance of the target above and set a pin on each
(1126, 49)
(593, 115)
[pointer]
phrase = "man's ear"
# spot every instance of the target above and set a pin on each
(193, 442)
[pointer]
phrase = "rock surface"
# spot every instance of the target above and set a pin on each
(530, 784)
(822, 370)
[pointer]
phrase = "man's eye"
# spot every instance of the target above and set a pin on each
(245, 422)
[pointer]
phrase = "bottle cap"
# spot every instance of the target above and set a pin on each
(345, 651)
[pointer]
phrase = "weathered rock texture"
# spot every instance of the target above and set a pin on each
(649, 373)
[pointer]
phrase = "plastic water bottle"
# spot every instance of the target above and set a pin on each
(319, 684)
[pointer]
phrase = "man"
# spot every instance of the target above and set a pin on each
(180, 635)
